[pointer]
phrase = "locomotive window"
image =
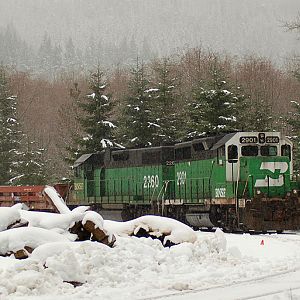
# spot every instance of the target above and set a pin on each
(232, 153)
(183, 153)
(268, 150)
(198, 147)
(286, 151)
(168, 154)
(151, 157)
(120, 156)
(249, 150)
(187, 153)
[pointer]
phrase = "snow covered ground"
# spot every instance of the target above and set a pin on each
(216, 266)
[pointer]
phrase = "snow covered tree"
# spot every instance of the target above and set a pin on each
(96, 117)
(31, 166)
(165, 109)
(10, 132)
(136, 128)
(217, 107)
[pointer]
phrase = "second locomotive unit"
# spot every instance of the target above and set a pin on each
(237, 181)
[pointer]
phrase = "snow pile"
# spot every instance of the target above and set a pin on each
(138, 268)
(57, 200)
(51, 220)
(166, 229)
(44, 227)
(16, 239)
(9, 216)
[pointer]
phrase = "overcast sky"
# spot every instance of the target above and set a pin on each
(237, 26)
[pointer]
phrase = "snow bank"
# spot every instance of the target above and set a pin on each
(160, 227)
(9, 216)
(84, 224)
(51, 220)
(57, 200)
(17, 238)
(138, 268)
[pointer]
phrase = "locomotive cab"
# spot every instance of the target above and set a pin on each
(259, 163)
(259, 166)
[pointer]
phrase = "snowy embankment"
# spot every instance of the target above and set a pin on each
(54, 263)
(137, 268)
(134, 268)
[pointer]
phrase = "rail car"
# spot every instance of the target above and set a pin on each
(32, 196)
(239, 181)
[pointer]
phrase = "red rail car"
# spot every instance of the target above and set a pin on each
(32, 196)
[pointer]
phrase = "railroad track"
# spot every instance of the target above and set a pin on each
(233, 285)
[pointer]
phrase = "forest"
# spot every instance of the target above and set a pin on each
(47, 123)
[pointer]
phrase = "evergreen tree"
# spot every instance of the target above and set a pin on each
(259, 116)
(67, 114)
(45, 54)
(31, 166)
(294, 121)
(10, 133)
(217, 107)
(95, 120)
(70, 56)
(165, 109)
(136, 128)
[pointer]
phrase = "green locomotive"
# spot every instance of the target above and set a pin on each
(237, 181)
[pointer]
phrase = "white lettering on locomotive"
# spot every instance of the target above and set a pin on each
(181, 177)
(151, 181)
(220, 192)
(272, 166)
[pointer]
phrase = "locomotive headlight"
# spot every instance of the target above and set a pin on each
(258, 192)
(294, 191)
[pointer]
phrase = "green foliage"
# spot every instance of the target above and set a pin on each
(165, 105)
(136, 117)
(259, 116)
(17, 166)
(72, 146)
(9, 131)
(216, 106)
(32, 165)
(294, 122)
(95, 119)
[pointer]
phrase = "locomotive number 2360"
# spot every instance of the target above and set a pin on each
(151, 181)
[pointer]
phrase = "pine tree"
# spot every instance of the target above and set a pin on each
(31, 166)
(294, 121)
(259, 116)
(136, 128)
(96, 118)
(165, 110)
(70, 144)
(10, 132)
(217, 107)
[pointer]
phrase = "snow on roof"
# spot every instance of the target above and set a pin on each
(173, 230)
